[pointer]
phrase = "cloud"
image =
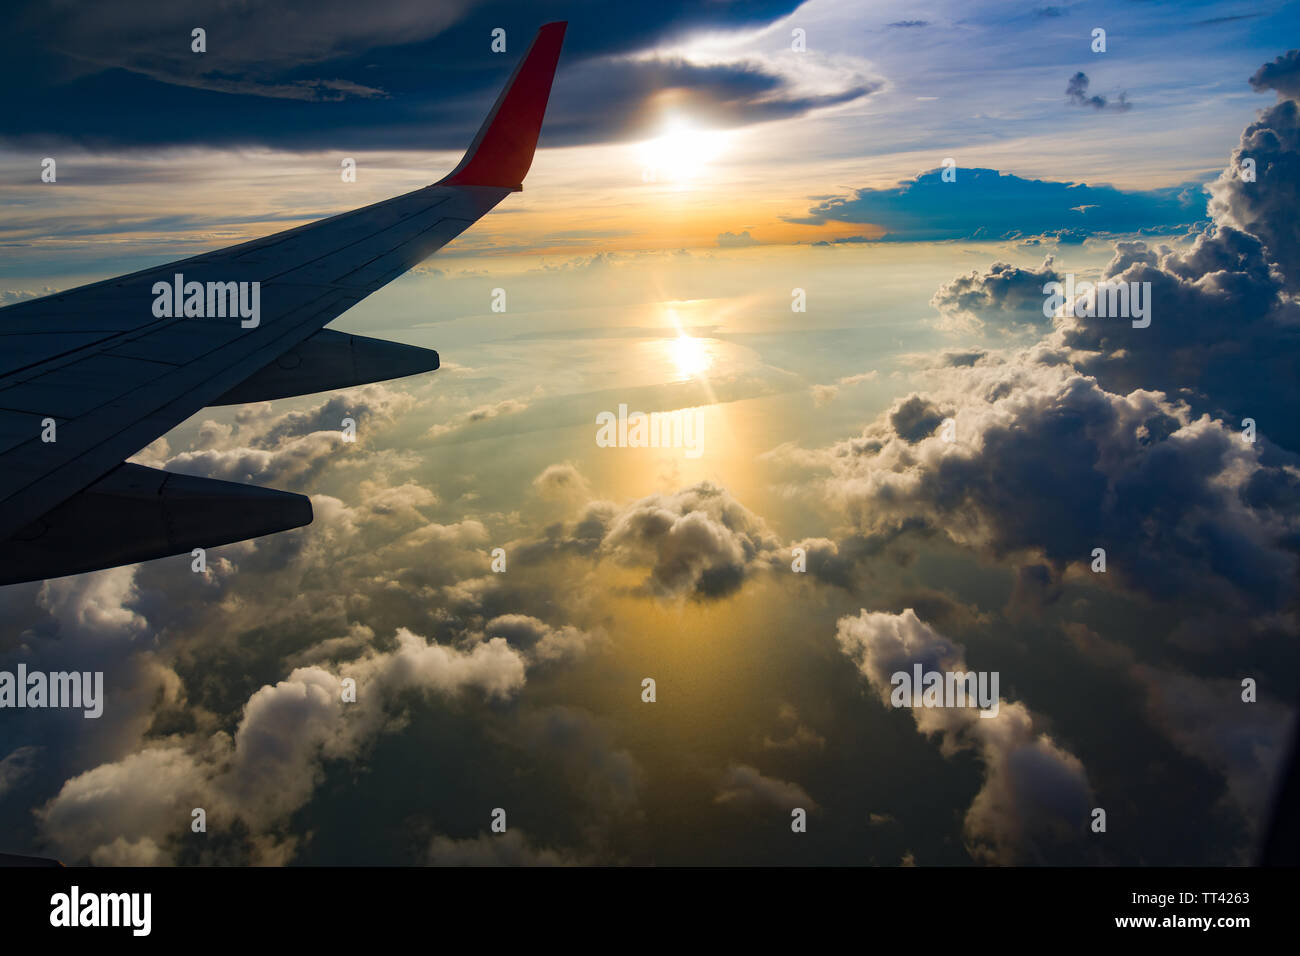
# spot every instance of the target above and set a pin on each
(699, 542)
(1004, 294)
(119, 814)
(736, 240)
(987, 204)
(1076, 93)
(251, 727)
(295, 74)
(742, 785)
(823, 395)
(915, 418)
(483, 413)
(1235, 369)
(1206, 718)
(16, 766)
(264, 447)
(274, 761)
(1246, 265)
(562, 482)
(1263, 203)
(791, 733)
(540, 641)
(1103, 435)
(582, 755)
(1034, 800)
(512, 848)
(1047, 463)
(1281, 74)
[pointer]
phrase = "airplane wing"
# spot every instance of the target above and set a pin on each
(90, 376)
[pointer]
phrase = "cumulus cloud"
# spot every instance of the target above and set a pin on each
(1281, 74)
(736, 240)
(1263, 202)
(823, 394)
(1224, 321)
(699, 542)
(1035, 796)
(1004, 294)
(743, 785)
(287, 448)
(562, 481)
(117, 811)
(253, 759)
(915, 418)
(119, 814)
(1206, 718)
(542, 642)
(1129, 452)
(1102, 435)
(1220, 333)
(1048, 464)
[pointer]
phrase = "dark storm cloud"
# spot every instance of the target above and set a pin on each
(1282, 74)
(1222, 335)
(987, 204)
(1047, 463)
(385, 74)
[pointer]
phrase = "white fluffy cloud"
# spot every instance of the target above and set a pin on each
(699, 542)
(1035, 797)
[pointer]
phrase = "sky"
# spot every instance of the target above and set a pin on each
(822, 232)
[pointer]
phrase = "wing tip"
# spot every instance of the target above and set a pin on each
(502, 152)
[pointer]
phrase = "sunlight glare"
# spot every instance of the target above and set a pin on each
(682, 152)
(690, 356)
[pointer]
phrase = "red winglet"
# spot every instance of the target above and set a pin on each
(503, 149)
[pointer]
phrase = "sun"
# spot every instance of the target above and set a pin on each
(690, 355)
(683, 151)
